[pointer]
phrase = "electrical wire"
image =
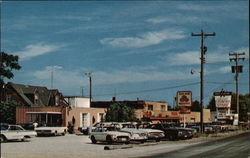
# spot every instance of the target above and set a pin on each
(151, 90)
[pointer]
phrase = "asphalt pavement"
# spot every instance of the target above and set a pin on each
(74, 146)
(231, 147)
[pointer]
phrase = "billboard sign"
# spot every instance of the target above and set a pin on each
(184, 98)
(222, 99)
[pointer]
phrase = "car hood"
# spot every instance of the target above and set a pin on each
(132, 130)
(151, 130)
(117, 133)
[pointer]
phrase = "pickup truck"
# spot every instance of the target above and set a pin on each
(46, 130)
(15, 132)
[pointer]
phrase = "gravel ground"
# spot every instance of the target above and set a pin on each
(80, 146)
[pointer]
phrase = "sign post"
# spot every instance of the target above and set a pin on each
(184, 101)
(223, 104)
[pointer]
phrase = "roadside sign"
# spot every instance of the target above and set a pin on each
(185, 110)
(184, 98)
(223, 99)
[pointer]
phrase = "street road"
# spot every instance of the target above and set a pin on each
(73, 146)
(233, 147)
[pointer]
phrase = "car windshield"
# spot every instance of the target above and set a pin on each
(110, 129)
(128, 126)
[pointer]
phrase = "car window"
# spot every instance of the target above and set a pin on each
(19, 128)
(4, 127)
(12, 128)
(97, 130)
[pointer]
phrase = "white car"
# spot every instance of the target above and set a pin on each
(15, 132)
(154, 134)
(51, 131)
(135, 134)
(109, 135)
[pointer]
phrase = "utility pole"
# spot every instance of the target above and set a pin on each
(52, 76)
(81, 91)
(237, 69)
(89, 74)
(203, 51)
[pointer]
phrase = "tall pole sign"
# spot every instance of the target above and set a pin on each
(184, 102)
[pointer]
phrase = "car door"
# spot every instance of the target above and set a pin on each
(15, 132)
(98, 134)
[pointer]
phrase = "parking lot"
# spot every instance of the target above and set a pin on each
(76, 146)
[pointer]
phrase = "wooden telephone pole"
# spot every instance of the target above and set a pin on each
(203, 51)
(237, 69)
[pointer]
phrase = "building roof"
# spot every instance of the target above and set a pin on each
(25, 91)
(106, 104)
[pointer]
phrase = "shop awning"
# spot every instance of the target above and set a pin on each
(45, 112)
(164, 118)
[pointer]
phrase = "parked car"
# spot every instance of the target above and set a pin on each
(153, 134)
(51, 130)
(173, 133)
(109, 134)
(86, 130)
(135, 134)
(190, 133)
(15, 132)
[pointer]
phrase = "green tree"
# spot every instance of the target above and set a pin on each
(211, 104)
(243, 102)
(120, 112)
(8, 63)
(196, 106)
(244, 107)
(8, 112)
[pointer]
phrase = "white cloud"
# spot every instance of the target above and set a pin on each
(38, 49)
(219, 70)
(193, 57)
(64, 80)
(244, 50)
(179, 19)
(186, 58)
(224, 69)
(126, 76)
(68, 80)
(204, 8)
(147, 39)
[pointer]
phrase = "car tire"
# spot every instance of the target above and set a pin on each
(171, 138)
(93, 140)
(109, 139)
(158, 140)
(23, 139)
(2, 138)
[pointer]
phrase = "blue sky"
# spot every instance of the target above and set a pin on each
(134, 49)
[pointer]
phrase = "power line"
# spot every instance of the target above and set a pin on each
(151, 90)
(225, 83)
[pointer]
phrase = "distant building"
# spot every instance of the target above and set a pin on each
(77, 101)
(33, 96)
(80, 114)
(157, 111)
